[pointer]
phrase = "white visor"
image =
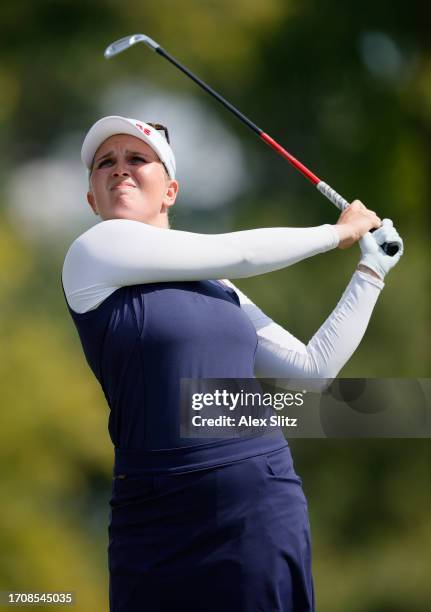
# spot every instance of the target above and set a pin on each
(115, 124)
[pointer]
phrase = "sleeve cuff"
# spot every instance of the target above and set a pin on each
(333, 235)
(369, 279)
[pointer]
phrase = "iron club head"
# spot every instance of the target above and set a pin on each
(124, 43)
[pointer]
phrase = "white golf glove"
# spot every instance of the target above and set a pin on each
(373, 256)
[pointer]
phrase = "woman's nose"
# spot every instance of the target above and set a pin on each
(119, 168)
(122, 172)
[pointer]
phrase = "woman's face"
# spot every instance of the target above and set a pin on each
(128, 181)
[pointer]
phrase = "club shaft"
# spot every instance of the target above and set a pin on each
(330, 193)
(327, 191)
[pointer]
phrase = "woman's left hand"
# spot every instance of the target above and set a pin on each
(373, 256)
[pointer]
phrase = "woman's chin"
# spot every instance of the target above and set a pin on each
(124, 206)
(126, 213)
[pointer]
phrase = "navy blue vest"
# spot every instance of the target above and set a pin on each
(143, 339)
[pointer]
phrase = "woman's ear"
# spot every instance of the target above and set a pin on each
(92, 202)
(171, 193)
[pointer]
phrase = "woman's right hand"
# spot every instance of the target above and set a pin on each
(354, 222)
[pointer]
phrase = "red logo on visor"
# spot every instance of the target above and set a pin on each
(141, 127)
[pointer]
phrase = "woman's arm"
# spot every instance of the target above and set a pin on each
(123, 252)
(281, 355)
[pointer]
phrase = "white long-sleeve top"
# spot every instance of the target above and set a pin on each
(121, 252)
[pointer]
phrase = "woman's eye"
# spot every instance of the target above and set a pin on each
(104, 162)
(134, 159)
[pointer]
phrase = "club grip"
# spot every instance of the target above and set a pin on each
(390, 248)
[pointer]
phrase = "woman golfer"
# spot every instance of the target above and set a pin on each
(199, 526)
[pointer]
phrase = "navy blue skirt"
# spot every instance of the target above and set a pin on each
(233, 537)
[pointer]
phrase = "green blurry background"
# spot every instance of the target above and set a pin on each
(344, 86)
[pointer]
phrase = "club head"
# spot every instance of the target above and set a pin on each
(124, 43)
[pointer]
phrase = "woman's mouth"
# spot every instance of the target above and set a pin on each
(123, 186)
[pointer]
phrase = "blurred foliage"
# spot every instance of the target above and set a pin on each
(297, 69)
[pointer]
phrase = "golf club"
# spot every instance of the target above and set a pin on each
(124, 43)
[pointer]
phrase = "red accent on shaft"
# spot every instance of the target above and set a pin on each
(305, 171)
